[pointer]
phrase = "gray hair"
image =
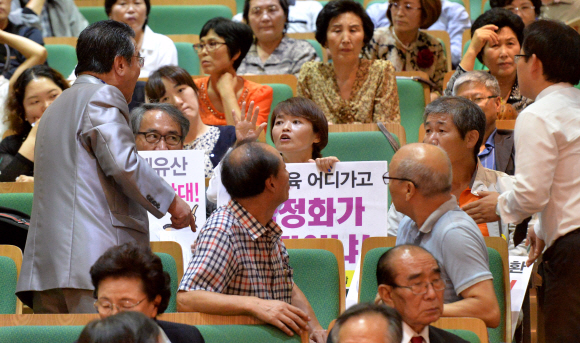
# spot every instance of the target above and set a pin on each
(393, 318)
(480, 77)
(429, 182)
(466, 116)
(138, 112)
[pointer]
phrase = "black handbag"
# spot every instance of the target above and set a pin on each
(13, 227)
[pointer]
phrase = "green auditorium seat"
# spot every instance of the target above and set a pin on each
(176, 20)
(187, 58)
(412, 105)
(469, 336)
(354, 146)
(496, 266)
(244, 334)
(170, 267)
(38, 334)
(9, 268)
(62, 58)
(18, 201)
(281, 92)
(93, 14)
(317, 47)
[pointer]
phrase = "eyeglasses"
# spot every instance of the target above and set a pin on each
(479, 100)
(517, 57)
(140, 60)
(422, 287)
(105, 307)
(211, 46)
(395, 6)
(270, 10)
(524, 8)
(155, 137)
(386, 179)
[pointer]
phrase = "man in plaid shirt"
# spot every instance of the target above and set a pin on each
(239, 264)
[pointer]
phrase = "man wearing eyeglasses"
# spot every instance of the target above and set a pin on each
(92, 190)
(410, 281)
(158, 127)
(420, 185)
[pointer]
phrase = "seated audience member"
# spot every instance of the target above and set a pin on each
(125, 327)
(174, 85)
(350, 89)
(302, 16)
(16, 57)
(409, 280)
(528, 10)
(561, 10)
(34, 90)
(158, 127)
(239, 264)
(223, 45)
(272, 52)
(496, 38)
(454, 19)
(367, 323)
(299, 131)
(56, 18)
(408, 48)
(498, 151)
(130, 277)
(420, 186)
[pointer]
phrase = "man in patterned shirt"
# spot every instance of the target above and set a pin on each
(239, 264)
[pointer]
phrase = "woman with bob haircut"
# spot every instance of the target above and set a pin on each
(408, 48)
(130, 277)
(223, 45)
(350, 89)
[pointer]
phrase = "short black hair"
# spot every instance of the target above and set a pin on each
(337, 7)
(244, 175)
(466, 116)
(503, 3)
(391, 316)
(557, 46)
(134, 261)
(283, 4)
(307, 109)
(175, 114)
(238, 36)
(110, 3)
(100, 43)
(385, 267)
(501, 18)
(123, 327)
(155, 89)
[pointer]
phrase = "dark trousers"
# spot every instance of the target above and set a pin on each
(561, 283)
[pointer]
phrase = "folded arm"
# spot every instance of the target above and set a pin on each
(478, 301)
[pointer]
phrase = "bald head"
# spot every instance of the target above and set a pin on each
(397, 257)
(426, 165)
(246, 169)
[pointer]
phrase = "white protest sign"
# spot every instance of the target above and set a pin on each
(349, 204)
(184, 171)
(519, 279)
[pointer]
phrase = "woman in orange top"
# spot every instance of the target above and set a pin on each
(223, 45)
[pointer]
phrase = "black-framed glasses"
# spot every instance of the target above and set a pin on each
(105, 307)
(211, 46)
(517, 57)
(405, 7)
(524, 8)
(479, 100)
(155, 137)
(140, 60)
(386, 179)
(421, 288)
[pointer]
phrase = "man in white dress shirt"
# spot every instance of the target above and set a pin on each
(547, 139)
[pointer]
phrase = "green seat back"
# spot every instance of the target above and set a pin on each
(8, 279)
(316, 274)
(354, 146)
(368, 280)
(187, 58)
(244, 334)
(467, 335)
(458, 2)
(18, 201)
(577, 86)
(240, 5)
(475, 9)
(281, 92)
(37, 334)
(94, 13)
(478, 65)
(486, 6)
(170, 267)
(62, 58)
(496, 267)
(186, 19)
(412, 105)
(316, 47)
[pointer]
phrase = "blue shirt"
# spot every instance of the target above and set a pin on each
(487, 156)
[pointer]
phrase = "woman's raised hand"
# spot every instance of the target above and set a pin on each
(246, 126)
(483, 35)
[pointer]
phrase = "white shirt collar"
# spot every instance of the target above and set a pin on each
(409, 333)
(552, 88)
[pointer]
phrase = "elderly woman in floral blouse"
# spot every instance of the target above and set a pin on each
(350, 89)
(408, 48)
